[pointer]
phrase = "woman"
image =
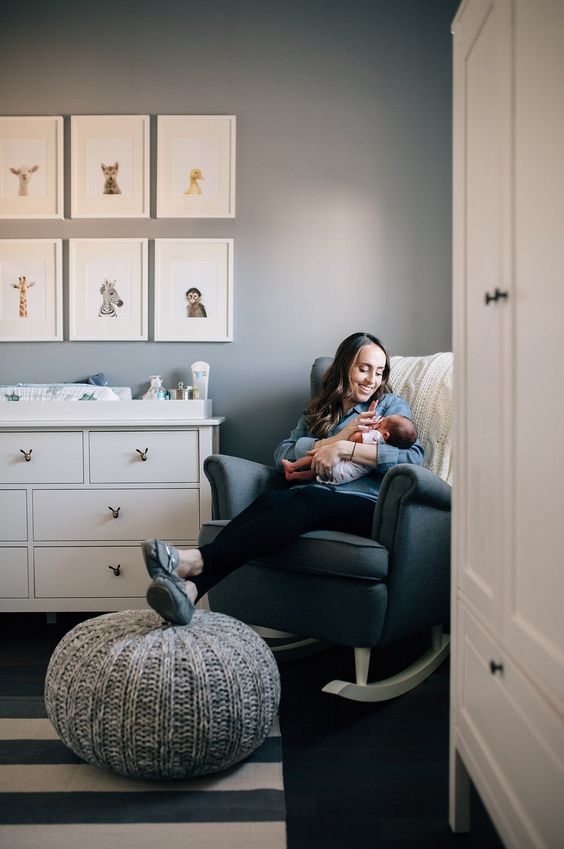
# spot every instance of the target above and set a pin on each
(357, 377)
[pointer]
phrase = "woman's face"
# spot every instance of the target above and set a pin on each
(366, 373)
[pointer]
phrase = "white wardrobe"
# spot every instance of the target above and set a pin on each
(507, 725)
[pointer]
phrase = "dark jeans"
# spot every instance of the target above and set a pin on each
(274, 520)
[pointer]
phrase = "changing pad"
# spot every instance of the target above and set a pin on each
(62, 392)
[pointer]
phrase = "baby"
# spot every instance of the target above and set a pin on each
(397, 430)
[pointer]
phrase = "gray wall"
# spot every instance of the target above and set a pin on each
(343, 178)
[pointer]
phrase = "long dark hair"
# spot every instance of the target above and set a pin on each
(325, 410)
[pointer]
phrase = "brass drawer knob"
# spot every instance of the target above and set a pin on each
(142, 454)
(27, 454)
(115, 511)
(115, 569)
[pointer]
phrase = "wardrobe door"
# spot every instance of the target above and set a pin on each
(535, 575)
(482, 293)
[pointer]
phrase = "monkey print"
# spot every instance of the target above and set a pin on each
(195, 308)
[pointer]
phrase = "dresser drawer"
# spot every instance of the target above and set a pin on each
(13, 514)
(500, 708)
(13, 573)
(79, 514)
(170, 457)
(56, 457)
(89, 572)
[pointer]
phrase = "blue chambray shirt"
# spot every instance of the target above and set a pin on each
(300, 442)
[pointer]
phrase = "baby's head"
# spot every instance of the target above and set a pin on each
(397, 430)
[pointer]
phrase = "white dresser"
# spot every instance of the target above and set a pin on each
(508, 567)
(82, 483)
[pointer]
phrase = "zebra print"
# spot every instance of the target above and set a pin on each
(110, 299)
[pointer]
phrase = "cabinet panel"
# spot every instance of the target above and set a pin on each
(513, 727)
(76, 514)
(13, 514)
(13, 573)
(482, 266)
(170, 457)
(535, 580)
(54, 458)
(83, 572)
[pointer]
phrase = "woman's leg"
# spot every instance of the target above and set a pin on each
(191, 562)
(273, 521)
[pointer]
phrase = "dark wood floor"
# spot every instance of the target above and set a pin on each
(356, 775)
(369, 776)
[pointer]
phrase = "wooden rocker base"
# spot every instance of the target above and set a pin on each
(397, 684)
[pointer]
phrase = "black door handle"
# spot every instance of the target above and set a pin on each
(498, 295)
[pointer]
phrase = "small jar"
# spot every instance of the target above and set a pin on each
(182, 393)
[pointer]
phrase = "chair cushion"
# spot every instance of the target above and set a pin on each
(327, 553)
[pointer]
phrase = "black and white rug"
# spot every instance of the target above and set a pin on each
(50, 799)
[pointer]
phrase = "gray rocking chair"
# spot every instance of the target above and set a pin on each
(348, 590)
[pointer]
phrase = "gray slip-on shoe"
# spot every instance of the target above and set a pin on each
(167, 596)
(161, 558)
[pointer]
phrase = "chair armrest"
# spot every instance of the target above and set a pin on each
(236, 482)
(412, 520)
(406, 484)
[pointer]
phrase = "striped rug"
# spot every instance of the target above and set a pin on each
(50, 799)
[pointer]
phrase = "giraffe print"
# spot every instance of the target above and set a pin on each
(23, 286)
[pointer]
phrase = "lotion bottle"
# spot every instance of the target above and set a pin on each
(200, 376)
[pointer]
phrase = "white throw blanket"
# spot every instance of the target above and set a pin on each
(426, 384)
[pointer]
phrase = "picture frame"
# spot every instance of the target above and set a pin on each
(31, 290)
(31, 167)
(196, 166)
(193, 290)
(110, 166)
(108, 289)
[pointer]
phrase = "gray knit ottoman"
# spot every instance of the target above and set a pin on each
(145, 698)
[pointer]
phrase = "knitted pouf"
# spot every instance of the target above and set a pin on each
(149, 699)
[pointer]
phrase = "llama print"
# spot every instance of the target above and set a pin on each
(22, 285)
(110, 300)
(23, 173)
(194, 188)
(195, 308)
(110, 172)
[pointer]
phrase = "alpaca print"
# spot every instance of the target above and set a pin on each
(110, 173)
(110, 300)
(24, 173)
(22, 285)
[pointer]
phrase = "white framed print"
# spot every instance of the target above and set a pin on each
(196, 166)
(31, 167)
(110, 166)
(108, 289)
(193, 290)
(31, 290)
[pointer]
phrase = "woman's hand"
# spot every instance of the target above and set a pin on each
(325, 457)
(363, 422)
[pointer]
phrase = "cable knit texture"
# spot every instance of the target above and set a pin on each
(426, 384)
(148, 699)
